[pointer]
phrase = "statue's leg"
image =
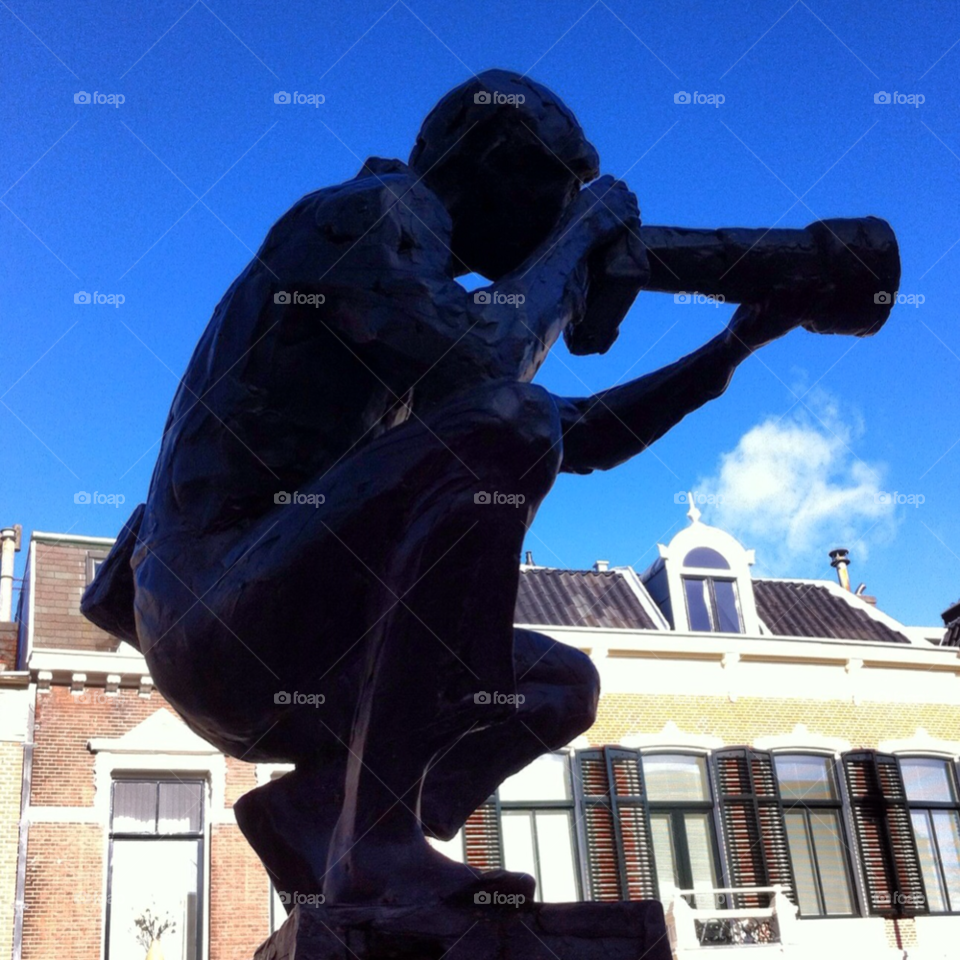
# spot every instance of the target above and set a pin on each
(448, 637)
(560, 689)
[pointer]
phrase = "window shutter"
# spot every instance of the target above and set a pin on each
(888, 850)
(631, 821)
(751, 816)
(619, 847)
(481, 837)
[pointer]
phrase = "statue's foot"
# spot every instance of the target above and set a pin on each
(415, 873)
(289, 827)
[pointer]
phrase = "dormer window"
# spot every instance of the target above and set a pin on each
(701, 580)
(712, 604)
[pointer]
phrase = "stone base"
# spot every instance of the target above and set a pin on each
(537, 931)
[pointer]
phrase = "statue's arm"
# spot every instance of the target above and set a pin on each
(610, 427)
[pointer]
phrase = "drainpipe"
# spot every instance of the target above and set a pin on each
(9, 545)
(24, 827)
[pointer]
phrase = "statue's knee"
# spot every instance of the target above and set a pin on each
(525, 424)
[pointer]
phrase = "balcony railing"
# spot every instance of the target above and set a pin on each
(695, 927)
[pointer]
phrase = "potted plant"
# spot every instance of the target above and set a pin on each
(150, 928)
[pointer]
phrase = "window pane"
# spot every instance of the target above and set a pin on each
(946, 823)
(558, 878)
(927, 779)
(801, 853)
(828, 843)
(805, 777)
(180, 805)
(675, 777)
(728, 612)
(547, 778)
(702, 863)
(134, 807)
(698, 610)
(159, 876)
(705, 557)
(664, 856)
(923, 832)
(518, 852)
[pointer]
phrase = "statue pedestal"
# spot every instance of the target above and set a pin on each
(537, 931)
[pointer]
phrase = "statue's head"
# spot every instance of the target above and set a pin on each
(505, 156)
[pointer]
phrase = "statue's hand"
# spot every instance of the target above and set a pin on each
(606, 209)
(756, 324)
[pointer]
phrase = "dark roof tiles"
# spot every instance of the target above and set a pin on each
(579, 598)
(796, 609)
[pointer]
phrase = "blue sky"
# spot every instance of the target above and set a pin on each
(163, 199)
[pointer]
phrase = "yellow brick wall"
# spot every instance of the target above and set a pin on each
(11, 770)
(741, 722)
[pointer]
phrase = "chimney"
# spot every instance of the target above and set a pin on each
(529, 559)
(840, 560)
(601, 566)
(9, 545)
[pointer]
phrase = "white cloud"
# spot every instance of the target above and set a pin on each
(794, 488)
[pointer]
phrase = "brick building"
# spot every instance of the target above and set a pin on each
(782, 749)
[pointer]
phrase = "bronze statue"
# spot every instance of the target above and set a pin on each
(320, 574)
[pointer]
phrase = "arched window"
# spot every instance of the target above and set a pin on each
(707, 558)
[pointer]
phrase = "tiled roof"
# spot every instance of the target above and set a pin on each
(797, 609)
(579, 598)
